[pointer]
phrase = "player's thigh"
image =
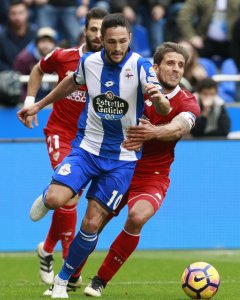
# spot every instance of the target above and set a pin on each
(151, 190)
(109, 188)
(75, 171)
(58, 148)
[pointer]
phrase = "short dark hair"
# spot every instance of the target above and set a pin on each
(16, 2)
(206, 83)
(95, 13)
(114, 20)
(169, 47)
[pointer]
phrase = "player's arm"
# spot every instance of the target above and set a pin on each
(160, 102)
(63, 89)
(34, 83)
(179, 126)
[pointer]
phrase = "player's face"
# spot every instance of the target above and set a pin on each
(170, 70)
(116, 41)
(93, 33)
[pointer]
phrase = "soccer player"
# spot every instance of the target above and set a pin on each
(151, 177)
(60, 130)
(117, 80)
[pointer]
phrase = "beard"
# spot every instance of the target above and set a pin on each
(91, 47)
(167, 86)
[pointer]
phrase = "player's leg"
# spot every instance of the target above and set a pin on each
(141, 208)
(64, 219)
(104, 194)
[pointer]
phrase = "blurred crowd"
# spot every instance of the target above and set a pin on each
(209, 29)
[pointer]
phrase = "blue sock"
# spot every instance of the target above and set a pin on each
(80, 248)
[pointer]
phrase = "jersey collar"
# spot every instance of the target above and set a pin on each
(81, 50)
(173, 93)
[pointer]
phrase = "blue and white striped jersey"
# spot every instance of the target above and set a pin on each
(115, 101)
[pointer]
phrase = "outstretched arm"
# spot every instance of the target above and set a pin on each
(159, 101)
(34, 83)
(63, 89)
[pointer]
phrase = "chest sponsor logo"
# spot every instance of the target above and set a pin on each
(109, 106)
(78, 96)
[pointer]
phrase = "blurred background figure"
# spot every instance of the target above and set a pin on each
(208, 25)
(44, 43)
(17, 33)
(61, 16)
(213, 119)
(194, 70)
(153, 14)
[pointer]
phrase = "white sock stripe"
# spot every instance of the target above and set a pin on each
(66, 209)
(88, 237)
(131, 233)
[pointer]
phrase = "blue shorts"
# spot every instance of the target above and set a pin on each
(110, 178)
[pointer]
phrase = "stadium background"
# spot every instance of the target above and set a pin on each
(201, 210)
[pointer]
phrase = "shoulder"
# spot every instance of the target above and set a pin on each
(187, 102)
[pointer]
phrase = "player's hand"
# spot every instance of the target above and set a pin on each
(153, 90)
(25, 112)
(141, 133)
(131, 145)
(31, 120)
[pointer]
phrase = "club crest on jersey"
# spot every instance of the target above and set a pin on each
(65, 170)
(128, 73)
(109, 106)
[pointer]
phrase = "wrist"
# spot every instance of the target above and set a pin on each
(29, 101)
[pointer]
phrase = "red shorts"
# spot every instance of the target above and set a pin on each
(58, 147)
(153, 189)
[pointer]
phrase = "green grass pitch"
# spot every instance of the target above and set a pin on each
(148, 275)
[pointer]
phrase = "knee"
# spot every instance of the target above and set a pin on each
(90, 225)
(135, 222)
(52, 200)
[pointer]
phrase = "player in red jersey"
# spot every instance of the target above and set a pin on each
(61, 128)
(151, 178)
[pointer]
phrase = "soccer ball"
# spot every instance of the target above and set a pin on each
(200, 280)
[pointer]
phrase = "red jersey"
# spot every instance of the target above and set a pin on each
(65, 113)
(158, 155)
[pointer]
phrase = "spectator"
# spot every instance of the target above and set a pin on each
(208, 25)
(45, 42)
(16, 35)
(194, 71)
(213, 119)
(171, 30)
(153, 18)
(235, 46)
(60, 15)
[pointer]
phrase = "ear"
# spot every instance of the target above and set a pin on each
(84, 31)
(155, 67)
(130, 36)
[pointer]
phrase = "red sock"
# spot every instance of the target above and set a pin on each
(62, 228)
(120, 250)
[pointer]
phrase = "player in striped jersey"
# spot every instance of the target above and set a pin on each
(60, 130)
(151, 177)
(117, 80)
